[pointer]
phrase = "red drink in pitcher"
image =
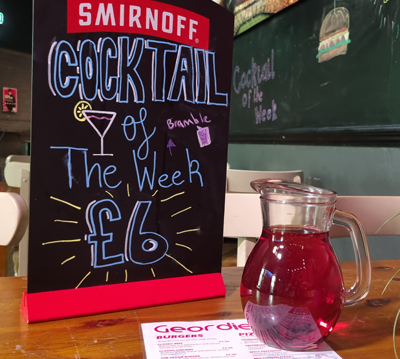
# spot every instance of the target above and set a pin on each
(292, 286)
(296, 284)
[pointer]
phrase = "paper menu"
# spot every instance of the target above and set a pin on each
(216, 339)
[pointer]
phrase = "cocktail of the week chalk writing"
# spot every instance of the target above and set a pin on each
(249, 81)
(194, 80)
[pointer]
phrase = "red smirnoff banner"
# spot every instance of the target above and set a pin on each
(145, 17)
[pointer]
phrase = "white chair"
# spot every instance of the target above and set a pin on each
(17, 174)
(13, 218)
(238, 182)
(243, 216)
(18, 158)
(13, 167)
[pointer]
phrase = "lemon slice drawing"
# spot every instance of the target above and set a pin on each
(81, 105)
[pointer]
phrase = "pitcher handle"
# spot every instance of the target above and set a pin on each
(360, 288)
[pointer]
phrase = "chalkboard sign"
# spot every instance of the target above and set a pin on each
(319, 72)
(129, 151)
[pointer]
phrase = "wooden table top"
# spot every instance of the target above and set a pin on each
(363, 331)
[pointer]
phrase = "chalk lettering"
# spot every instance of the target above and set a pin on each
(110, 70)
(255, 75)
(130, 122)
(97, 213)
(65, 62)
(214, 97)
(187, 122)
(88, 174)
(160, 51)
(138, 241)
(249, 82)
(263, 114)
(257, 95)
(201, 81)
(183, 78)
(196, 171)
(69, 160)
(145, 174)
(128, 74)
(89, 67)
(109, 170)
(108, 64)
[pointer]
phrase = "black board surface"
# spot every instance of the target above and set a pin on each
(129, 141)
(351, 98)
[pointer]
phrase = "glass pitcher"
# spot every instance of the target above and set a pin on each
(292, 286)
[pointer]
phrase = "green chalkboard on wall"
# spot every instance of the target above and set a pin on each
(321, 72)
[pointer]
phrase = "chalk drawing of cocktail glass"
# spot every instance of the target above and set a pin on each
(101, 121)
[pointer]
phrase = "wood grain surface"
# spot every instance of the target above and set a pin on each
(3, 261)
(363, 331)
